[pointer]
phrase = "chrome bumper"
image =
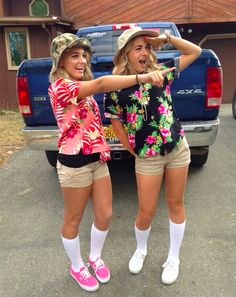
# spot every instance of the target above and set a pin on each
(41, 137)
(198, 134)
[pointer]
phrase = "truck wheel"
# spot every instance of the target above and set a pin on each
(52, 157)
(199, 156)
(234, 105)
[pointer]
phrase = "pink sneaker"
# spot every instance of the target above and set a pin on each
(102, 272)
(85, 279)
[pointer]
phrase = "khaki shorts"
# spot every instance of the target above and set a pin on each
(82, 176)
(177, 158)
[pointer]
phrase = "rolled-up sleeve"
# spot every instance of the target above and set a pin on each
(67, 92)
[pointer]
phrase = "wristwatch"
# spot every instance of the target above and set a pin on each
(168, 35)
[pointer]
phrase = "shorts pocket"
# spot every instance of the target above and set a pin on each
(184, 146)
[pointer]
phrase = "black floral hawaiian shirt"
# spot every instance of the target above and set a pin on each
(148, 115)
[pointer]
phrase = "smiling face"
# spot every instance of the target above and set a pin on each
(138, 52)
(74, 61)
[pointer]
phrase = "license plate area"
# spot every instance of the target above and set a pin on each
(110, 134)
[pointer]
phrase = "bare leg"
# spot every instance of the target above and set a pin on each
(102, 202)
(175, 181)
(75, 200)
(148, 191)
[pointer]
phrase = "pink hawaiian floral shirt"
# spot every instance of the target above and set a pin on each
(79, 121)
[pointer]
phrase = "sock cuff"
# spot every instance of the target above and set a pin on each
(175, 224)
(98, 230)
(137, 229)
(70, 239)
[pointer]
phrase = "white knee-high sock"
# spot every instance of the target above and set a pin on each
(72, 248)
(142, 238)
(97, 241)
(176, 237)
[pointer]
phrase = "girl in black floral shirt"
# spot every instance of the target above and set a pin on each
(144, 120)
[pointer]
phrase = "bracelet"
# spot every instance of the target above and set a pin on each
(168, 35)
(137, 79)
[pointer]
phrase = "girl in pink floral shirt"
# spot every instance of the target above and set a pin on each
(81, 166)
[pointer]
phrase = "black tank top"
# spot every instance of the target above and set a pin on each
(79, 160)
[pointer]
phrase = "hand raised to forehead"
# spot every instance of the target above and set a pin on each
(156, 42)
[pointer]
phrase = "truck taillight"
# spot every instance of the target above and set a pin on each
(214, 87)
(123, 26)
(23, 96)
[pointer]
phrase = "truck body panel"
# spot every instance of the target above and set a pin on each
(189, 91)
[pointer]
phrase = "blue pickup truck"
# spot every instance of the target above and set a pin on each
(196, 94)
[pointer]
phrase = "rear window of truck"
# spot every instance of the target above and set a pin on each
(105, 42)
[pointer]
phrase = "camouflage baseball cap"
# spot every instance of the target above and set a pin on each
(65, 41)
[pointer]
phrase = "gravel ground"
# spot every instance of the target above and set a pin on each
(11, 139)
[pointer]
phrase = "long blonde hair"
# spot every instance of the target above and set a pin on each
(122, 66)
(61, 73)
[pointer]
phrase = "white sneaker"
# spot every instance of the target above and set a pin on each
(136, 262)
(171, 271)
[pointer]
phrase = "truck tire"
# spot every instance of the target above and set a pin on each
(52, 157)
(199, 156)
(234, 106)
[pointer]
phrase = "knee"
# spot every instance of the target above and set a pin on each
(144, 217)
(103, 219)
(175, 206)
(72, 221)
(107, 216)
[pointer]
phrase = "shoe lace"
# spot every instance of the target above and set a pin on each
(139, 255)
(85, 273)
(98, 264)
(170, 264)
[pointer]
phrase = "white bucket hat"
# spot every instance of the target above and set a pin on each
(129, 34)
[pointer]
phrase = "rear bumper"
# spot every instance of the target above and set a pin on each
(41, 137)
(198, 134)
